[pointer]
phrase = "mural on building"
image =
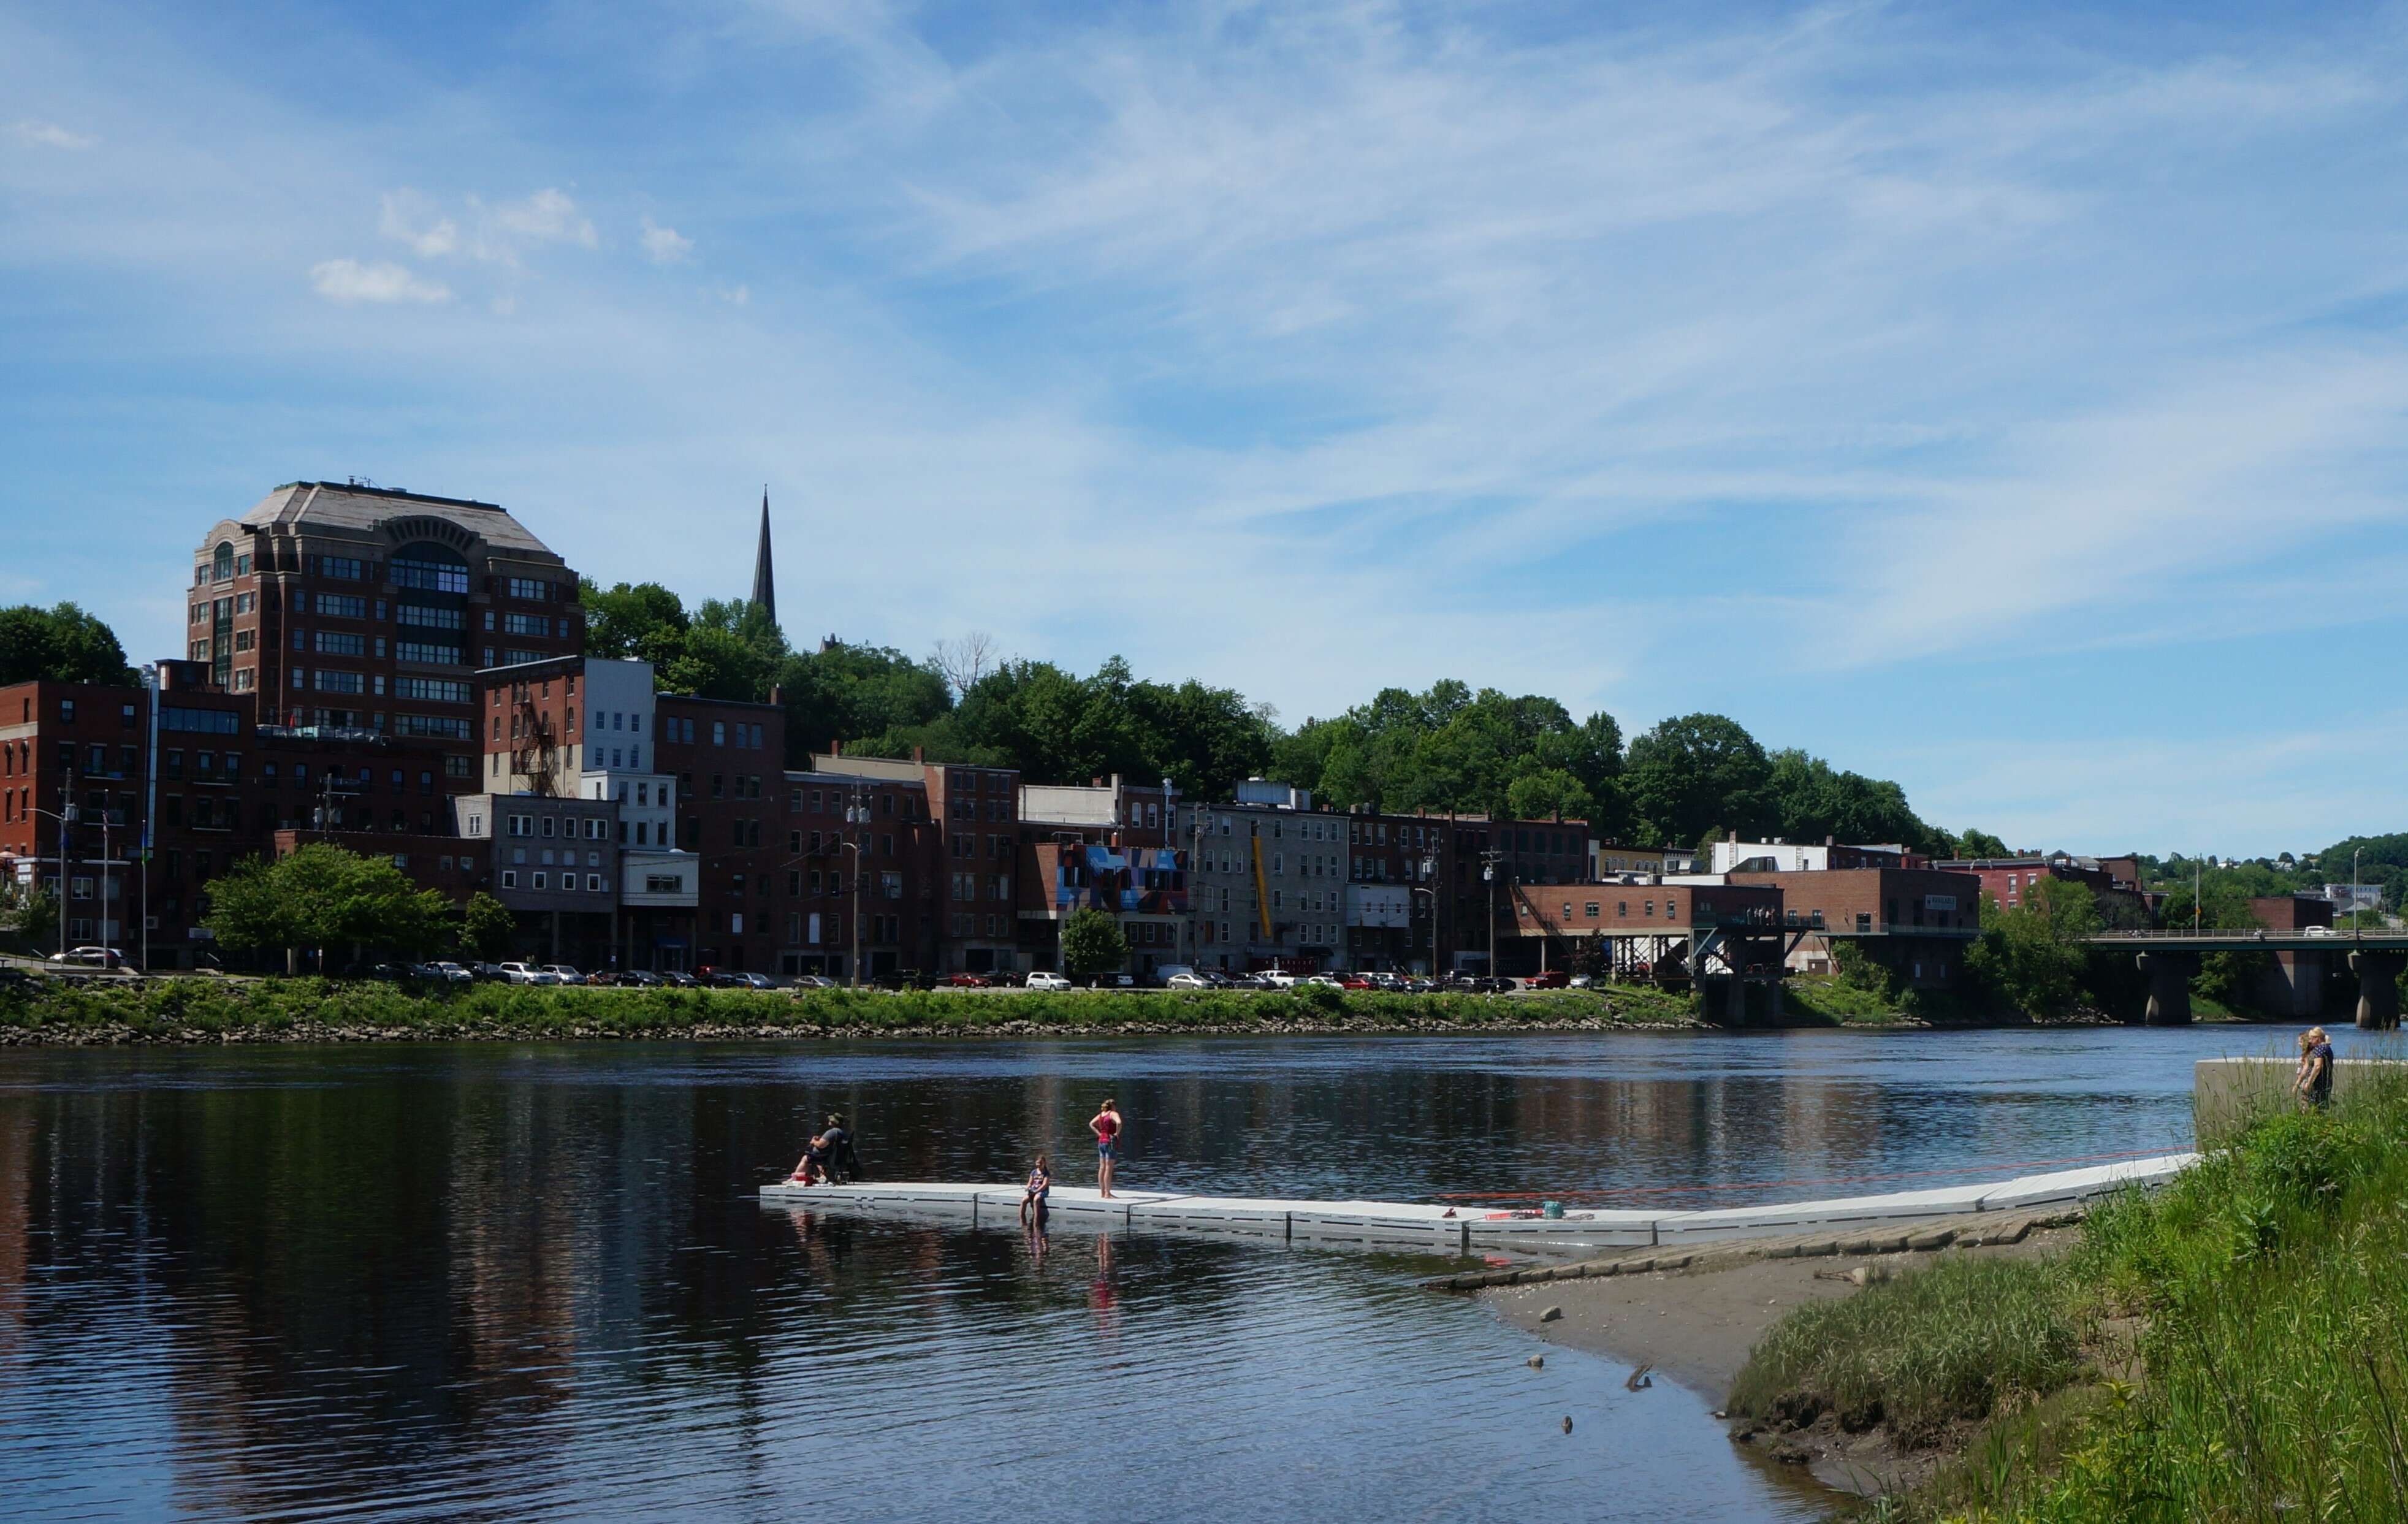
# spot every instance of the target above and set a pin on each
(1139, 880)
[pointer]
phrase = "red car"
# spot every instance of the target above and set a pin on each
(1356, 980)
(1552, 979)
(969, 981)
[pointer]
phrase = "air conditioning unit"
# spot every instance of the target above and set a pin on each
(150, 923)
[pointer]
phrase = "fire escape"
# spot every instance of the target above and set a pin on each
(532, 746)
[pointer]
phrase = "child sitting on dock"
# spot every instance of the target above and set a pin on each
(1032, 1199)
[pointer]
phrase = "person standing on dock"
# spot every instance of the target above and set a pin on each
(1106, 1125)
(2315, 1084)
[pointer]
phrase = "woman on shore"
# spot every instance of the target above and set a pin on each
(1106, 1125)
(2315, 1076)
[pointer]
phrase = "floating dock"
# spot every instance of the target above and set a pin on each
(1460, 1229)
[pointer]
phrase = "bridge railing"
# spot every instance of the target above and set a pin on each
(2250, 934)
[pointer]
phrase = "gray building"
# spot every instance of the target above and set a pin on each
(1268, 884)
(555, 862)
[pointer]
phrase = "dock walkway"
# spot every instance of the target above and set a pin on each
(1462, 1229)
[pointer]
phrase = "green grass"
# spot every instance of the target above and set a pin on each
(1959, 1342)
(2264, 1291)
(208, 1008)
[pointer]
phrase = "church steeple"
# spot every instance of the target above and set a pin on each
(765, 585)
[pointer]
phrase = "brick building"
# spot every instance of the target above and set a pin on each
(1106, 846)
(362, 608)
(1918, 920)
(1395, 866)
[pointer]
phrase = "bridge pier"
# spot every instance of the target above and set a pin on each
(2378, 988)
(2169, 975)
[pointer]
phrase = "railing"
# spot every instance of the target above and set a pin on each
(2254, 934)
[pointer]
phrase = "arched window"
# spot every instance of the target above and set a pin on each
(222, 564)
(430, 567)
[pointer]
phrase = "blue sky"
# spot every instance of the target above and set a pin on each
(2011, 404)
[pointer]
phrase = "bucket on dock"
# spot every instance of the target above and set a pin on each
(1551, 1209)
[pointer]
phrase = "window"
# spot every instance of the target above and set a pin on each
(208, 722)
(427, 651)
(348, 569)
(443, 726)
(66, 712)
(594, 882)
(719, 732)
(337, 643)
(339, 606)
(334, 681)
(535, 624)
(418, 568)
(433, 690)
(423, 617)
(541, 876)
(527, 588)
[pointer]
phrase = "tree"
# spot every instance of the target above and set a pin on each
(1092, 943)
(870, 698)
(62, 643)
(322, 896)
(1550, 794)
(1698, 771)
(2034, 955)
(634, 621)
(38, 918)
(1974, 844)
(486, 927)
(963, 659)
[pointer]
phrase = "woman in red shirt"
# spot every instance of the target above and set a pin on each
(1106, 1125)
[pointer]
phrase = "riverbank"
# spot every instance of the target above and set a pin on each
(210, 1010)
(2232, 1346)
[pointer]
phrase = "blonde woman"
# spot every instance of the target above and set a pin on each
(2313, 1084)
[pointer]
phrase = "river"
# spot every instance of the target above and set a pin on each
(511, 1282)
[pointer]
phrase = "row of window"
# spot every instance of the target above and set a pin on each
(541, 880)
(591, 826)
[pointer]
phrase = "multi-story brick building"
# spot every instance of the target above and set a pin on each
(1106, 846)
(1919, 921)
(1268, 881)
(860, 871)
(362, 608)
(1486, 858)
(1396, 865)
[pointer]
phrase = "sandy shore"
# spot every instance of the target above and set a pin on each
(1696, 1326)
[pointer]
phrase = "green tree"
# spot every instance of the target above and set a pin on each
(1550, 794)
(1093, 943)
(322, 896)
(1695, 772)
(486, 927)
(634, 621)
(62, 643)
(2034, 955)
(38, 918)
(1974, 844)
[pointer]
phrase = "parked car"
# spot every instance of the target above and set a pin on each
(969, 981)
(751, 981)
(450, 972)
(1276, 980)
(562, 973)
(1327, 979)
(1187, 981)
(1582, 981)
(91, 957)
(526, 973)
(1167, 974)
(815, 981)
(679, 979)
(1042, 980)
(1550, 979)
(1359, 981)
(640, 978)
(1249, 981)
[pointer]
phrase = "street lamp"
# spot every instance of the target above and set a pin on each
(2357, 927)
(65, 817)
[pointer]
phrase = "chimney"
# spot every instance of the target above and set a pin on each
(1734, 835)
(836, 748)
(920, 754)
(777, 696)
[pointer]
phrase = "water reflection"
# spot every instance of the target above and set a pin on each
(488, 1282)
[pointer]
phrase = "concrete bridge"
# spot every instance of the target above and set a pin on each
(2171, 959)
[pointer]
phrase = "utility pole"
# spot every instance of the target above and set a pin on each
(150, 797)
(66, 817)
(1488, 861)
(856, 815)
(2357, 928)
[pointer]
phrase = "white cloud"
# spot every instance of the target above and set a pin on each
(348, 281)
(549, 215)
(664, 245)
(50, 134)
(738, 296)
(412, 219)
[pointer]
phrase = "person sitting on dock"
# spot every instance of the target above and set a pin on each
(813, 1169)
(1032, 1199)
(844, 1163)
(1106, 1125)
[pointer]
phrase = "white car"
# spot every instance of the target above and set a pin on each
(1279, 981)
(1048, 981)
(1332, 980)
(1187, 981)
(453, 973)
(526, 973)
(562, 974)
(2305, 931)
(99, 957)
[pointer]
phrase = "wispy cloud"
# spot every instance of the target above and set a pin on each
(411, 218)
(664, 245)
(548, 216)
(350, 282)
(50, 134)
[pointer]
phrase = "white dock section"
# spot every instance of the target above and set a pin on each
(1459, 1228)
